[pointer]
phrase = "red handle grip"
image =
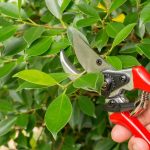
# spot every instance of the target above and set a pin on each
(141, 78)
(132, 123)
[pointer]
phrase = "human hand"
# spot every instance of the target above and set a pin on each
(121, 134)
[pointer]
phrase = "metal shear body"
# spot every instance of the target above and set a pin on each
(115, 84)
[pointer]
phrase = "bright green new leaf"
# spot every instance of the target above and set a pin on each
(36, 77)
(58, 114)
(143, 49)
(88, 10)
(86, 22)
(116, 4)
(113, 28)
(65, 4)
(115, 62)
(19, 4)
(6, 125)
(145, 17)
(14, 45)
(123, 34)
(90, 81)
(7, 32)
(128, 61)
(54, 8)
(33, 34)
(87, 106)
(6, 69)
(39, 47)
(11, 10)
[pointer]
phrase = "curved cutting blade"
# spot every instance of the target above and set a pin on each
(89, 60)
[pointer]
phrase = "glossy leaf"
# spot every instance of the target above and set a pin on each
(113, 28)
(115, 4)
(36, 77)
(64, 5)
(145, 17)
(6, 125)
(87, 106)
(32, 34)
(39, 47)
(54, 8)
(6, 69)
(95, 84)
(11, 10)
(123, 34)
(7, 32)
(115, 62)
(58, 114)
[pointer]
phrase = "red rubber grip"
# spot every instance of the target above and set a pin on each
(132, 123)
(141, 78)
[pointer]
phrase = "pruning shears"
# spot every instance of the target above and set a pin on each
(116, 82)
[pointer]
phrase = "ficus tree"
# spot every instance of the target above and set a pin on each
(40, 107)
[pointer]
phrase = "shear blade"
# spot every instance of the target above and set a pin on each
(89, 60)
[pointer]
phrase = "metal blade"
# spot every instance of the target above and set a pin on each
(89, 60)
(68, 67)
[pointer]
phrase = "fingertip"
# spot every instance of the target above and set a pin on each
(137, 144)
(120, 134)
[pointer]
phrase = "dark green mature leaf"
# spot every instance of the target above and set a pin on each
(58, 114)
(115, 4)
(22, 120)
(123, 34)
(91, 82)
(65, 4)
(143, 48)
(6, 125)
(54, 8)
(145, 17)
(40, 46)
(6, 106)
(86, 22)
(88, 10)
(113, 28)
(115, 62)
(6, 69)
(36, 77)
(14, 45)
(128, 61)
(33, 34)
(87, 106)
(11, 10)
(7, 32)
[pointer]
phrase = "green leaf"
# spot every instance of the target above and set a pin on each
(86, 22)
(36, 77)
(6, 125)
(39, 47)
(22, 120)
(116, 4)
(114, 61)
(59, 76)
(143, 48)
(113, 28)
(123, 34)
(7, 32)
(14, 45)
(6, 69)
(6, 106)
(19, 4)
(33, 34)
(54, 8)
(145, 17)
(86, 105)
(128, 61)
(58, 114)
(88, 10)
(95, 84)
(11, 10)
(65, 4)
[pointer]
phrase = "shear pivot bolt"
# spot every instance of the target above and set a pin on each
(98, 62)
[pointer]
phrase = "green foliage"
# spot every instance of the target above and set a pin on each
(36, 96)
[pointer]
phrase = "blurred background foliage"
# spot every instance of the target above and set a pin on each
(40, 108)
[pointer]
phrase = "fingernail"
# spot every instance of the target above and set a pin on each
(135, 147)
